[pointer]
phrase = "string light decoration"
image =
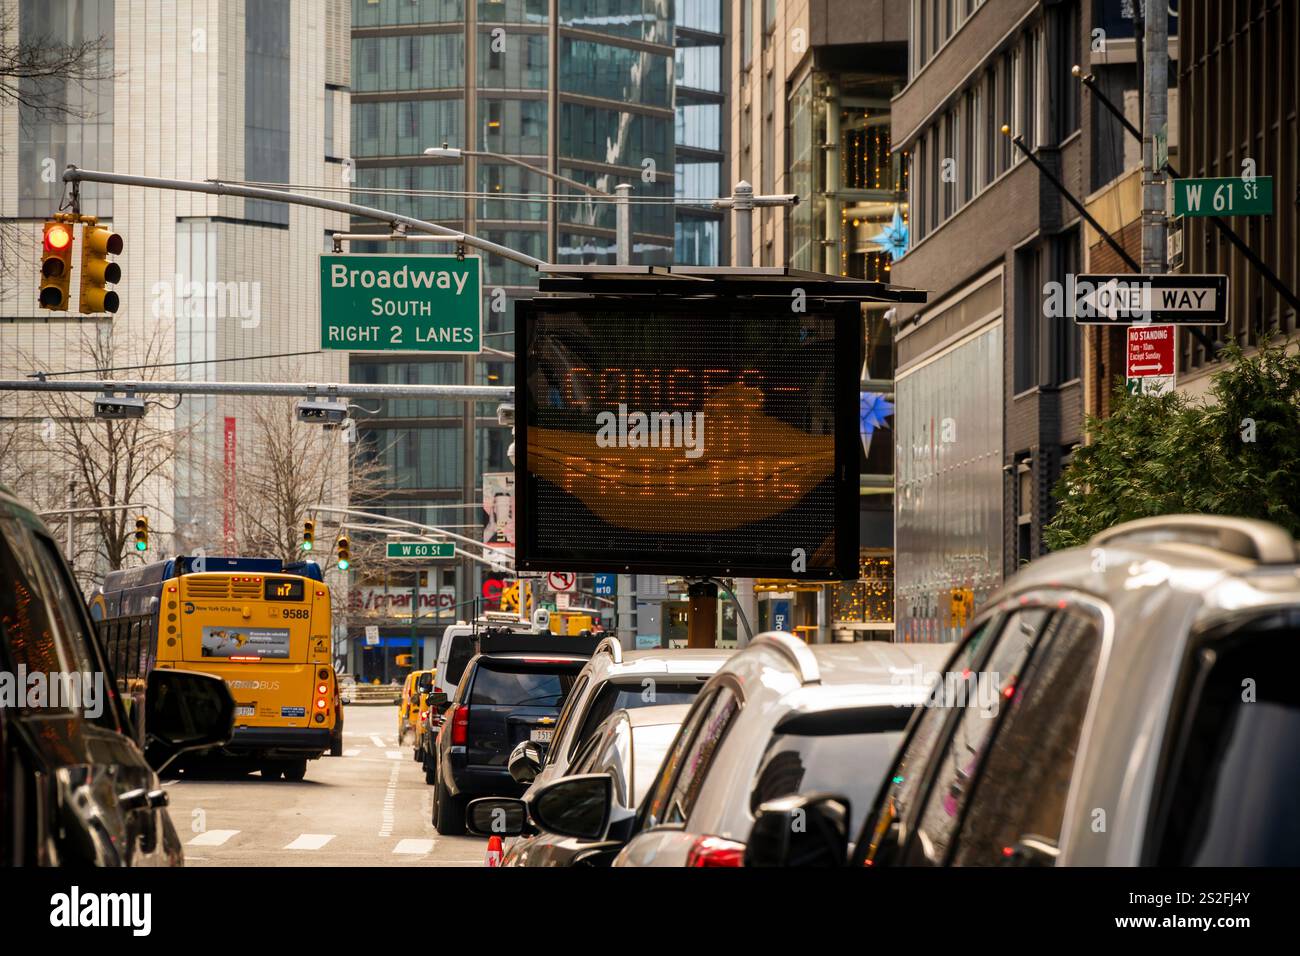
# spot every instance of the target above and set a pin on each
(870, 599)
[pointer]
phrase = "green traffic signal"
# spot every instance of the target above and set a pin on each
(344, 564)
(306, 545)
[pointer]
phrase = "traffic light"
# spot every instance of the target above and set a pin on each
(56, 265)
(308, 535)
(345, 555)
(424, 579)
(97, 244)
(142, 534)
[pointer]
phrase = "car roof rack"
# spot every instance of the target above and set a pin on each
(613, 647)
(1245, 537)
(496, 642)
(795, 651)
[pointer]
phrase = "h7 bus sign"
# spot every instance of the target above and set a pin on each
(1230, 196)
(428, 550)
(390, 303)
(1141, 299)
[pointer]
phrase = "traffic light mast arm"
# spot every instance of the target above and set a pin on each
(215, 187)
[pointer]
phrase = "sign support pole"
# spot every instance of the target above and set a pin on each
(702, 621)
(1155, 128)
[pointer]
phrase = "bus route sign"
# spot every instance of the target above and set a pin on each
(400, 303)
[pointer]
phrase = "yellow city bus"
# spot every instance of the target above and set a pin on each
(261, 624)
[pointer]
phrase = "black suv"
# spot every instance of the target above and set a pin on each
(511, 692)
(78, 777)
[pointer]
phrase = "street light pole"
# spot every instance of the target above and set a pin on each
(623, 225)
(1155, 121)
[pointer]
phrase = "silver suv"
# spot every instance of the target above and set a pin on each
(613, 680)
(780, 718)
(1150, 713)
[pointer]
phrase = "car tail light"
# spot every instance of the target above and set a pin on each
(460, 725)
(715, 851)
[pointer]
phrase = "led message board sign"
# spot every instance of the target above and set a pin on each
(689, 436)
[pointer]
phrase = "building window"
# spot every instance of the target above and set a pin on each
(1067, 349)
(266, 103)
(1028, 318)
(1064, 90)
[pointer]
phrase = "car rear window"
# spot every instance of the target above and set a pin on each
(851, 764)
(458, 658)
(1230, 794)
(518, 685)
(612, 696)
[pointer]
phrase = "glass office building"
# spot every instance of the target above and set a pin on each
(581, 88)
(701, 131)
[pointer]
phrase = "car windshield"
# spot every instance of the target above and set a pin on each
(521, 685)
(852, 764)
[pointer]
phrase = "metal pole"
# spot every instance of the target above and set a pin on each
(331, 390)
(742, 222)
(624, 224)
(626, 623)
(72, 496)
(833, 224)
(1155, 126)
(217, 188)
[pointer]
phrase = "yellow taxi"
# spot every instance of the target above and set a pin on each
(417, 685)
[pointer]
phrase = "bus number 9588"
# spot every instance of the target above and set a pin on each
(297, 612)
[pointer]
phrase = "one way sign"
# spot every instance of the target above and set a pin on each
(1140, 299)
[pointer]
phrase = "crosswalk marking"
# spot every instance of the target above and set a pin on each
(310, 841)
(212, 838)
(378, 741)
(413, 846)
(394, 755)
(352, 752)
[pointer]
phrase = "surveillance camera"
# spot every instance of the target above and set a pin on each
(321, 412)
(506, 414)
(116, 408)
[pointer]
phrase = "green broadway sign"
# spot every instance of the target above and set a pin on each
(386, 303)
(1231, 196)
(421, 549)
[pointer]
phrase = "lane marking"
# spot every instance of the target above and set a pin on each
(352, 752)
(390, 798)
(310, 841)
(394, 754)
(378, 741)
(413, 846)
(212, 838)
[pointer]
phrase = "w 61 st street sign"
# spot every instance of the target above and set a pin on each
(383, 303)
(1230, 196)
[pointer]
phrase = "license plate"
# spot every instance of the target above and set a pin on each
(541, 736)
(245, 710)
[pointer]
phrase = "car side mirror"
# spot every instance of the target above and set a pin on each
(185, 711)
(1032, 850)
(800, 830)
(578, 806)
(437, 699)
(496, 816)
(525, 762)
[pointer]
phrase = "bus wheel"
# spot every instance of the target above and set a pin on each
(271, 772)
(336, 744)
(295, 771)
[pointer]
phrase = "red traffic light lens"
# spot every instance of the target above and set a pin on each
(58, 238)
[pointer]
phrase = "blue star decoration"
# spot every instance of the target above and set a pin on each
(873, 409)
(893, 238)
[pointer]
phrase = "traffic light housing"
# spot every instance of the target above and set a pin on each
(97, 244)
(308, 535)
(141, 534)
(345, 553)
(56, 265)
